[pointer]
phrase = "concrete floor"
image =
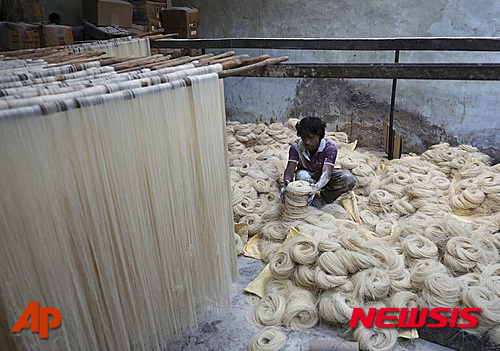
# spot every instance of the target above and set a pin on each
(234, 331)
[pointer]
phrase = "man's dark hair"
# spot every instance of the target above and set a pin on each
(308, 126)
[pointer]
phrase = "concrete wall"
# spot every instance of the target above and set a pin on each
(69, 10)
(427, 112)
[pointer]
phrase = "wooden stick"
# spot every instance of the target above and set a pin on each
(201, 57)
(242, 70)
(243, 62)
(175, 62)
(230, 64)
(136, 62)
(148, 65)
(62, 57)
(162, 36)
(29, 51)
(238, 57)
(71, 59)
(251, 60)
(111, 60)
(151, 32)
(77, 61)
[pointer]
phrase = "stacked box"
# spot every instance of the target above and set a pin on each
(33, 11)
(182, 20)
(148, 10)
(25, 10)
(147, 26)
(54, 35)
(116, 13)
(19, 36)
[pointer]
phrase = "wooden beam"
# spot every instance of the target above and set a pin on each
(362, 44)
(448, 71)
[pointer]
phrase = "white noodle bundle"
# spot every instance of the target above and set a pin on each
(269, 310)
(469, 279)
(375, 339)
(253, 221)
(384, 228)
(325, 280)
(297, 195)
(300, 312)
(337, 307)
(440, 290)
(380, 200)
(279, 286)
(350, 239)
(462, 255)
(328, 245)
(342, 262)
(489, 250)
(337, 211)
(347, 160)
(403, 206)
(261, 185)
(481, 297)
(281, 265)
(273, 167)
(417, 247)
(371, 283)
(305, 277)
(490, 278)
(403, 299)
(275, 231)
(268, 249)
(268, 339)
(369, 218)
(422, 269)
(273, 213)
(303, 250)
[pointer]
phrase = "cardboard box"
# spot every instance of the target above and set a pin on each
(148, 10)
(146, 26)
(182, 20)
(154, 25)
(54, 35)
(19, 36)
(115, 13)
(25, 10)
(4, 34)
(33, 11)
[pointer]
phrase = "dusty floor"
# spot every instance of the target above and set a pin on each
(233, 332)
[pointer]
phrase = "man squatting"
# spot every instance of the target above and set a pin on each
(312, 157)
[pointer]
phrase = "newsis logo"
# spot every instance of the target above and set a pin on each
(410, 317)
(39, 319)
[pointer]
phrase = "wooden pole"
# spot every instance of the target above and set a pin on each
(242, 70)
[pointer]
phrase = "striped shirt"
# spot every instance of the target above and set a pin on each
(326, 153)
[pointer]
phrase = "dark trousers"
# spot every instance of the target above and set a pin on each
(340, 182)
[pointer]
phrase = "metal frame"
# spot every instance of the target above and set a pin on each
(382, 44)
(394, 71)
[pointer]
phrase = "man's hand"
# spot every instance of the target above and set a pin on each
(315, 188)
(282, 193)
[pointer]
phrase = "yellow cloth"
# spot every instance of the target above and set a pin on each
(252, 247)
(409, 334)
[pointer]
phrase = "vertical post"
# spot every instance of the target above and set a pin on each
(390, 154)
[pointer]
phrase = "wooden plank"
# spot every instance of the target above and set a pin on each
(450, 71)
